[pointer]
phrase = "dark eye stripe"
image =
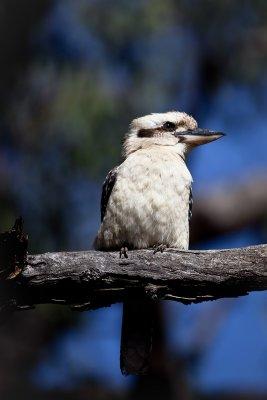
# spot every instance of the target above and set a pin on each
(169, 126)
(146, 133)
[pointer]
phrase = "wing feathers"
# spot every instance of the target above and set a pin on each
(190, 204)
(107, 189)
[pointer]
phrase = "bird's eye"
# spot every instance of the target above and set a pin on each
(169, 126)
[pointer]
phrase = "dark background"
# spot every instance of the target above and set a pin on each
(73, 74)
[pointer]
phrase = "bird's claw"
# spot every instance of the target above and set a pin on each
(160, 248)
(123, 252)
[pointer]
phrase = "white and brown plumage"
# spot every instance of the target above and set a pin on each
(146, 201)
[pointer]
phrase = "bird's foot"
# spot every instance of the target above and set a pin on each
(123, 252)
(160, 248)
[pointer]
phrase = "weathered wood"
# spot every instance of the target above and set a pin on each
(92, 279)
(13, 251)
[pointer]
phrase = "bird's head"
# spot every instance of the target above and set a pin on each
(176, 129)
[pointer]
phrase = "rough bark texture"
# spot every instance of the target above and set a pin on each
(92, 279)
(13, 251)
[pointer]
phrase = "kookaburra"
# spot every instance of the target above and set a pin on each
(146, 203)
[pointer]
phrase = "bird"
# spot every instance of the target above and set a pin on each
(146, 203)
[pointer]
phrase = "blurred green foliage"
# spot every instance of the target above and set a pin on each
(73, 75)
(92, 66)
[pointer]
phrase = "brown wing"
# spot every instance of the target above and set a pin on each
(190, 204)
(108, 185)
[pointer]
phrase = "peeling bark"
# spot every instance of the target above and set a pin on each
(92, 279)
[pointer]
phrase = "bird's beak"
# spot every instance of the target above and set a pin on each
(198, 136)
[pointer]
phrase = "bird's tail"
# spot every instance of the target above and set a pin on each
(136, 336)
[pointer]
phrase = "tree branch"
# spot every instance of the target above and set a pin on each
(92, 279)
(230, 209)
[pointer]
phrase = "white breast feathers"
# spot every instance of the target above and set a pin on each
(149, 203)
